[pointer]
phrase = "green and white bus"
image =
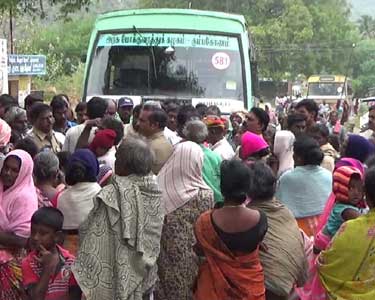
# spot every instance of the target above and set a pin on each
(186, 55)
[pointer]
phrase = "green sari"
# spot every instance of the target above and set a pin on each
(211, 172)
(347, 267)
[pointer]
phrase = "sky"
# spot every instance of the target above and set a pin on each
(362, 7)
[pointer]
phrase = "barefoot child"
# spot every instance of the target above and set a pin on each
(47, 271)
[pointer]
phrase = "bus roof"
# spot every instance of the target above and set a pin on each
(326, 78)
(171, 19)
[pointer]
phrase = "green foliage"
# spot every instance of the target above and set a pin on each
(317, 38)
(63, 43)
(37, 7)
(367, 26)
(364, 72)
(279, 41)
(71, 84)
(64, 40)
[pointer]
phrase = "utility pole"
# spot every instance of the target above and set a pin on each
(11, 29)
(346, 115)
(344, 88)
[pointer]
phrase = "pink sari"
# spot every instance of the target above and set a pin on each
(17, 205)
(19, 202)
(313, 290)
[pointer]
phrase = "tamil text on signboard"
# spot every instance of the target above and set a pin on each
(26, 65)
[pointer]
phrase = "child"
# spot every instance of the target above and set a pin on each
(46, 271)
(320, 133)
(348, 191)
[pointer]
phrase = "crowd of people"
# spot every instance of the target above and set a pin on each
(161, 201)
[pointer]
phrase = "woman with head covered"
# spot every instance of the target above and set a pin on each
(18, 202)
(186, 196)
(77, 200)
(283, 150)
(120, 239)
(253, 147)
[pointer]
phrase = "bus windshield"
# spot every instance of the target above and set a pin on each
(167, 64)
(325, 88)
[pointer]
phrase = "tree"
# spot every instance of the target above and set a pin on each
(63, 39)
(63, 43)
(37, 7)
(367, 26)
(364, 70)
(334, 35)
(279, 41)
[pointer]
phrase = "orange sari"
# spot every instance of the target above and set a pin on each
(309, 225)
(225, 275)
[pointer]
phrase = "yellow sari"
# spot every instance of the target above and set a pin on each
(347, 267)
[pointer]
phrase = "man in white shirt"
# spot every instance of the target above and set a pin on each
(96, 109)
(170, 131)
(216, 137)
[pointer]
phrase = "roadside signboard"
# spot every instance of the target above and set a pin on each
(26, 65)
(3, 67)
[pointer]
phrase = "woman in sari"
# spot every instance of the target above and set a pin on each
(284, 262)
(229, 239)
(305, 189)
(253, 147)
(120, 239)
(283, 150)
(346, 268)
(5, 134)
(185, 196)
(18, 202)
(197, 132)
(77, 200)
